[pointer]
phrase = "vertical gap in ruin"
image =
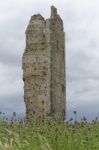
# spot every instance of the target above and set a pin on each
(36, 76)
(51, 65)
(57, 44)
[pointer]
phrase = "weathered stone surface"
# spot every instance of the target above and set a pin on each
(43, 66)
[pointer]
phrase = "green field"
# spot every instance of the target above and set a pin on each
(49, 135)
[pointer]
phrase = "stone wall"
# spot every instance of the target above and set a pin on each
(58, 88)
(43, 66)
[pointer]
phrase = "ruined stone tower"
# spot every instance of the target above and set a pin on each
(43, 66)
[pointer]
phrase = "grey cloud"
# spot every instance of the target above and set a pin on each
(12, 42)
(10, 104)
(89, 111)
(82, 49)
(10, 59)
(10, 80)
(82, 64)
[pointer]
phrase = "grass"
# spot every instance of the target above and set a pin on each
(49, 135)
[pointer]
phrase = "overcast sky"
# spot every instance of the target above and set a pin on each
(81, 23)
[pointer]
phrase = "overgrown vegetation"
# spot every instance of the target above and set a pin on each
(49, 135)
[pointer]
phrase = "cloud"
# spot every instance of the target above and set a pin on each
(11, 89)
(12, 103)
(81, 23)
(83, 58)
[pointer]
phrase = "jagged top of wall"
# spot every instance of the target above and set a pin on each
(37, 18)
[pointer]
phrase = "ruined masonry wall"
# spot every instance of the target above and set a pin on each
(58, 89)
(43, 66)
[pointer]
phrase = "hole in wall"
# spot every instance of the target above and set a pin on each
(43, 109)
(43, 102)
(63, 88)
(57, 43)
(23, 79)
(33, 111)
(42, 43)
(44, 73)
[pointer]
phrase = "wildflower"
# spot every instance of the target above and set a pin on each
(71, 119)
(14, 114)
(75, 112)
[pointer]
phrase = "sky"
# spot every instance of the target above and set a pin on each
(81, 22)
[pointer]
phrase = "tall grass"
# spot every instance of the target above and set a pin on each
(49, 135)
